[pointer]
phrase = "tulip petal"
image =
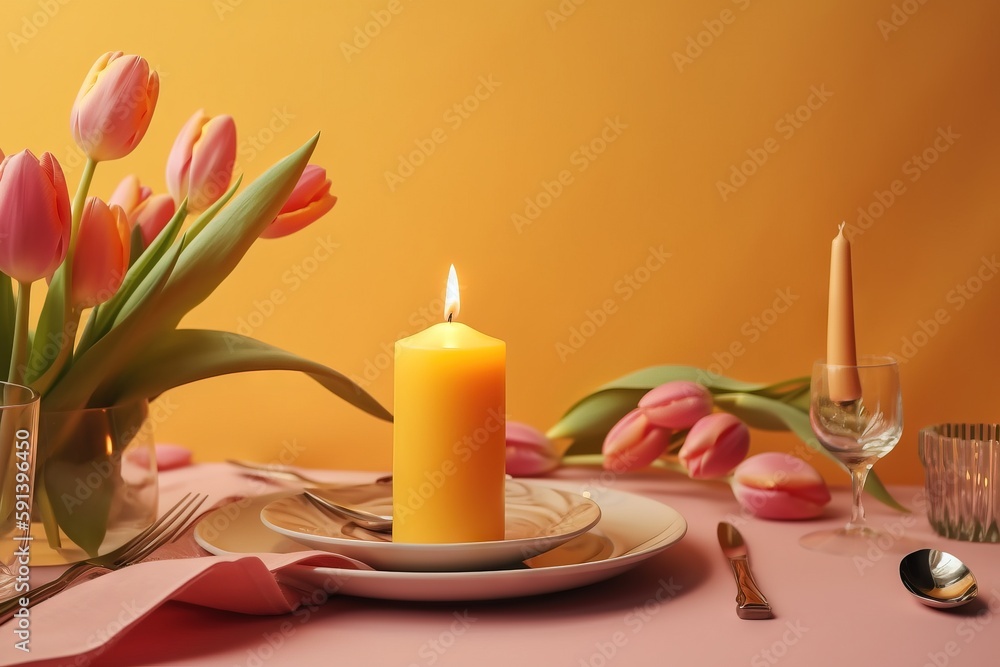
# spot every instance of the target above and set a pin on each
(34, 216)
(774, 485)
(714, 446)
(677, 405)
(528, 452)
(634, 443)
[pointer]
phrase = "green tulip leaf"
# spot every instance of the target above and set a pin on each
(596, 414)
(111, 353)
(135, 245)
(51, 345)
(208, 214)
(756, 411)
(80, 510)
(187, 355)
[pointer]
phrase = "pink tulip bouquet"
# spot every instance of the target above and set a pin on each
(137, 262)
(698, 423)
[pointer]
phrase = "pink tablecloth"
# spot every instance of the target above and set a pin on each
(676, 609)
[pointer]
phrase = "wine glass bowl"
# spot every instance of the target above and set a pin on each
(856, 413)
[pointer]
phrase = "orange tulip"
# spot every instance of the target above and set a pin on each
(200, 165)
(101, 254)
(129, 194)
(34, 216)
(114, 106)
(309, 201)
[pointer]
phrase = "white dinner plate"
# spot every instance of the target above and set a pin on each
(538, 518)
(631, 529)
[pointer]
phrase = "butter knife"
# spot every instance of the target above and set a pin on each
(750, 602)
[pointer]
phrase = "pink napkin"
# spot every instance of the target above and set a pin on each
(82, 620)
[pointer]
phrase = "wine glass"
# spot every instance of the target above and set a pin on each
(856, 413)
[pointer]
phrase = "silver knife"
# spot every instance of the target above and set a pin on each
(750, 602)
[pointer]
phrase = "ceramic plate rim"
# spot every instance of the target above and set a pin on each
(512, 544)
(492, 584)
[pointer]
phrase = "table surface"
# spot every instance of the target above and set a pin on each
(676, 608)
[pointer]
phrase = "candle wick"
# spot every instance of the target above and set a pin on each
(449, 317)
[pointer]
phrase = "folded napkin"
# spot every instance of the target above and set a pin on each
(83, 620)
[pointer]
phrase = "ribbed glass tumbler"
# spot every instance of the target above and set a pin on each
(962, 469)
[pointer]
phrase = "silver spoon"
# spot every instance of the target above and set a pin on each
(379, 523)
(280, 472)
(937, 579)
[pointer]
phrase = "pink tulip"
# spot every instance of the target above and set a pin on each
(633, 443)
(714, 445)
(147, 211)
(677, 405)
(529, 452)
(309, 201)
(101, 254)
(35, 216)
(779, 486)
(151, 216)
(200, 165)
(129, 194)
(114, 106)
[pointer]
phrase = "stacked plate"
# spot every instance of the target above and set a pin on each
(557, 537)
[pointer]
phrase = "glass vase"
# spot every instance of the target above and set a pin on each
(96, 483)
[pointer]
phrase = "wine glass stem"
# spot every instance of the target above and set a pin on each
(858, 476)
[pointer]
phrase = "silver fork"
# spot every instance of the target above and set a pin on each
(164, 529)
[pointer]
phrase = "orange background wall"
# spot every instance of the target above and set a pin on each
(810, 111)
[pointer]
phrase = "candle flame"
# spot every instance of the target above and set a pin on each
(451, 300)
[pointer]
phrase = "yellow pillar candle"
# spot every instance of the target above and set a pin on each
(845, 386)
(449, 443)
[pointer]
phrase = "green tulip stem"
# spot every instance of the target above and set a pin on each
(19, 351)
(78, 203)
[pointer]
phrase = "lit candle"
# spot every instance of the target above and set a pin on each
(448, 433)
(844, 384)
